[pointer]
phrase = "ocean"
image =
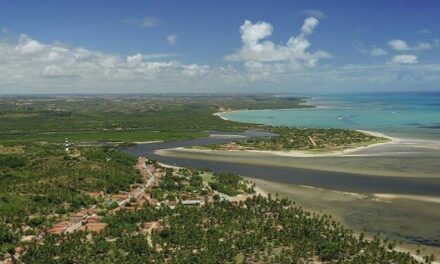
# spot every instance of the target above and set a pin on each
(399, 114)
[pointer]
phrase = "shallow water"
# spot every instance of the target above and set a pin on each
(411, 221)
(408, 115)
(260, 167)
(404, 167)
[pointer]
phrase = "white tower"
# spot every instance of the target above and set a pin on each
(66, 145)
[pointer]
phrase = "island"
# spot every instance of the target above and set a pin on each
(315, 140)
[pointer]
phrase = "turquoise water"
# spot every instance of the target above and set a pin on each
(410, 115)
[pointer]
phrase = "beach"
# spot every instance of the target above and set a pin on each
(412, 152)
(396, 158)
(392, 187)
(413, 219)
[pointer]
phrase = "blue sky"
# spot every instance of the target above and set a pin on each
(207, 46)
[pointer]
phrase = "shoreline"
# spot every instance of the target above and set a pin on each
(304, 154)
(330, 153)
(261, 189)
(338, 196)
(298, 153)
(258, 189)
(220, 114)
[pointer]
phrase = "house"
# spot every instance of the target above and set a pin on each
(193, 202)
(94, 227)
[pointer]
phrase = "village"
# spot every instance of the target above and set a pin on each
(162, 186)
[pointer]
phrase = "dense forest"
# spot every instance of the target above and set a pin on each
(40, 183)
(46, 185)
(258, 230)
(139, 211)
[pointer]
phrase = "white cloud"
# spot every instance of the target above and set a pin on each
(404, 59)
(313, 13)
(378, 52)
(28, 46)
(172, 39)
(146, 22)
(134, 60)
(264, 56)
(398, 45)
(27, 62)
(29, 66)
(309, 25)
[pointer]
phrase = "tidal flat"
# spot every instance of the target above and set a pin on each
(400, 158)
(392, 189)
(415, 222)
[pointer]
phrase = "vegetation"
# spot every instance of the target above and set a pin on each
(151, 118)
(230, 184)
(258, 230)
(43, 182)
(128, 119)
(184, 184)
(287, 138)
(44, 185)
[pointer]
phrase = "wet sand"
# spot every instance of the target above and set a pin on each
(413, 221)
(389, 188)
(398, 172)
(399, 157)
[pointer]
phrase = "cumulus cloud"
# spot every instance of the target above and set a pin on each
(378, 52)
(30, 66)
(146, 22)
(404, 59)
(172, 39)
(398, 45)
(401, 45)
(26, 61)
(309, 25)
(28, 46)
(264, 56)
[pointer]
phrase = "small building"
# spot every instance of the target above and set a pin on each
(94, 227)
(28, 238)
(193, 202)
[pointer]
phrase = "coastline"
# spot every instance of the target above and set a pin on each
(322, 201)
(415, 142)
(258, 189)
(292, 154)
(351, 206)
(220, 114)
(305, 154)
(263, 187)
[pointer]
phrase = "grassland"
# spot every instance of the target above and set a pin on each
(127, 119)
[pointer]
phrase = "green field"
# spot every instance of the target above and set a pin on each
(122, 118)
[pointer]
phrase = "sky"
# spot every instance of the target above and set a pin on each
(164, 46)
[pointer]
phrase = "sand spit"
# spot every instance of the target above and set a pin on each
(147, 142)
(387, 197)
